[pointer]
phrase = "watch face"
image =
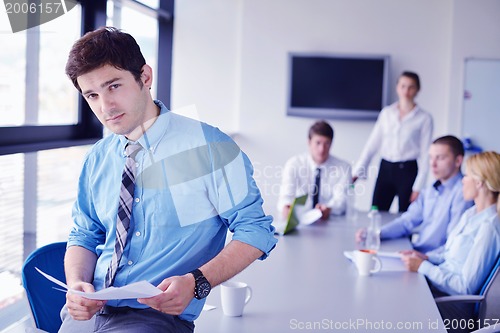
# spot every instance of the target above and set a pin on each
(203, 289)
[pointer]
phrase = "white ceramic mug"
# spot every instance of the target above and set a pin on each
(234, 297)
(364, 260)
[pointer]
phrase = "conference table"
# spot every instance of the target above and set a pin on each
(308, 284)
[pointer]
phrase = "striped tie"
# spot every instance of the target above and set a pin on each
(124, 210)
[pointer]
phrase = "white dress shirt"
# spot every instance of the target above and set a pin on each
(299, 179)
(400, 140)
(463, 263)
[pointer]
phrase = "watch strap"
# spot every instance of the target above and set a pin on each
(197, 274)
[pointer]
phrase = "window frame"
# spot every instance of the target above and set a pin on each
(29, 138)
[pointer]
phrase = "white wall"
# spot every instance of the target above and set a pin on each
(476, 33)
(230, 59)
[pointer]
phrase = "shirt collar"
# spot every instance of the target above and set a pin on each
(484, 214)
(313, 165)
(449, 183)
(153, 135)
(413, 112)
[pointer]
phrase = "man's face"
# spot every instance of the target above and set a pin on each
(443, 164)
(117, 99)
(319, 147)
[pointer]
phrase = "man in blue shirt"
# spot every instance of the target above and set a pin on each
(439, 207)
(192, 184)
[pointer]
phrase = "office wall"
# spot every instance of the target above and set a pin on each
(476, 33)
(230, 60)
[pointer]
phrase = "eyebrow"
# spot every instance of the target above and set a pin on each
(104, 84)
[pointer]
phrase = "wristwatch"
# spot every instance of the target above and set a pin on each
(202, 287)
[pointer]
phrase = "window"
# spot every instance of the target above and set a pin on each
(142, 25)
(12, 74)
(42, 108)
(57, 98)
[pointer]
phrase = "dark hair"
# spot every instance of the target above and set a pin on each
(456, 146)
(104, 46)
(321, 127)
(413, 76)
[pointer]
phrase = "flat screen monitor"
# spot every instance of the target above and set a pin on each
(337, 86)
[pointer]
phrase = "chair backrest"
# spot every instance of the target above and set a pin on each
(490, 307)
(45, 301)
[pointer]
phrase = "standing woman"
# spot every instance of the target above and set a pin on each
(402, 135)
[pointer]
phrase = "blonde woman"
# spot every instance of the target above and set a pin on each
(463, 263)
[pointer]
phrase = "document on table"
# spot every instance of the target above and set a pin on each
(141, 289)
(391, 261)
(309, 216)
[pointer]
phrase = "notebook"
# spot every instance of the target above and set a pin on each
(289, 224)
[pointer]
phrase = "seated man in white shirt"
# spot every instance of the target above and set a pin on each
(439, 207)
(323, 177)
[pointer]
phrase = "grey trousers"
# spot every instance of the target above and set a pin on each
(77, 326)
(126, 321)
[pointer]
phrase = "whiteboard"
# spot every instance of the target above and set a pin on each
(481, 107)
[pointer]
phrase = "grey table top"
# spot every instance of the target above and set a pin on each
(308, 284)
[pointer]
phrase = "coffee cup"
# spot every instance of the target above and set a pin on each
(234, 297)
(367, 262)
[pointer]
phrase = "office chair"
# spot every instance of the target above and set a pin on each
(45, 301)
(487, 302)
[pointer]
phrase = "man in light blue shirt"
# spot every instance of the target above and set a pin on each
(438, 208)
(192, 185)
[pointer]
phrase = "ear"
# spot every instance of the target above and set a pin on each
(458, 160)
(147, 76)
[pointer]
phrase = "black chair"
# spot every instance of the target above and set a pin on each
(487, 309)
(45, 301)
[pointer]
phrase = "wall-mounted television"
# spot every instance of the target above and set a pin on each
(337, 86)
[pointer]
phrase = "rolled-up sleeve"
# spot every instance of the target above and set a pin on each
(87, 232)
(238, 199)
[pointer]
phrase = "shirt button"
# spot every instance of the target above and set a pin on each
(130, 262)
(137, 199)
(138, 233)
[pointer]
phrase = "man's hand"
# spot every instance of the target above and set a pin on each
(360, 235)
(81, 308)
(285, 212)
(414, 196)
(413, 259)
(178, 291)
(325, 211)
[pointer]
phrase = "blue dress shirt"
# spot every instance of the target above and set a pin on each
(463, 264)
(193, 184)
(436, 212)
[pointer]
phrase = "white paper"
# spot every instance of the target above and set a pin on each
(310, 216)
(208, 307)
(391, 261)
(391, 254)
(392, 264)
(141, 289)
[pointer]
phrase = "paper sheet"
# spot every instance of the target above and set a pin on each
(391, 261)
(141, 289)
(389, 254)
(310, 216)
